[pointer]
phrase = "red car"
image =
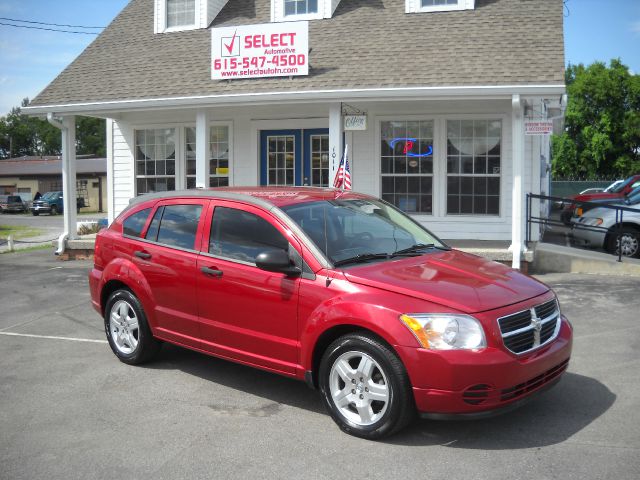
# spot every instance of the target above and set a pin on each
(617, 192)
(337, 288)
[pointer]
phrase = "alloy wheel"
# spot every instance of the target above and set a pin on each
(124, 327)
(359, 388)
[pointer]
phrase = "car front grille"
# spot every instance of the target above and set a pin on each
(530, 329)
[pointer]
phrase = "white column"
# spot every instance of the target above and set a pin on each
(110, 193)
(69, 176)
(335, 139)
(203, 154)
(517, 194)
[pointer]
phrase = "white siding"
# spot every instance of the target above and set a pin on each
(123, 166)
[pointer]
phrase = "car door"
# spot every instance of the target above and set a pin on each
(167, 257)
(247, 314)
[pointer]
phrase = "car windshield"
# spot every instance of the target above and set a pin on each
(49, 195)
(621, 187)
(634, 196)
(361, 230)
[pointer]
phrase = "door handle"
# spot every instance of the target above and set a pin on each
(143, 255)
(211, 272)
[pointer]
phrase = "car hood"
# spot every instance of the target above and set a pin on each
(455, 279)
(588, 197)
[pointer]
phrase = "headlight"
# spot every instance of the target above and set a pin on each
(593, 222)
(445, 331)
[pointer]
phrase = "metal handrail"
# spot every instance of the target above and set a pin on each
(570, 201)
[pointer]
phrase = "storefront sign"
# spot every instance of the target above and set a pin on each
(265, 50)
(355, 122)
(407, 147)
(539, 127)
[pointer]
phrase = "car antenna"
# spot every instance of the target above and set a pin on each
(326, 242)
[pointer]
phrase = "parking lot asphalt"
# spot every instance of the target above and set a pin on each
(70, 409)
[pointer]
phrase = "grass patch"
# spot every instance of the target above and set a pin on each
(19, 231)
(30, 249)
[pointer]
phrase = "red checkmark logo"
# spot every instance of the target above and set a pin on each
(230, 46)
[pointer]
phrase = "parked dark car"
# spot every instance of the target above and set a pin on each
(52, 203)
(336, 288)
(12, 204)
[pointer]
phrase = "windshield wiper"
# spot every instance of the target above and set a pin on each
(361, 258)
(416, 248)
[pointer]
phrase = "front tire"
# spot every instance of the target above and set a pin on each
(127, 329)
(629, 240)
(54, 210)
(365, 387)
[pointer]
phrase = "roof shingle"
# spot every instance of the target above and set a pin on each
(367, 44)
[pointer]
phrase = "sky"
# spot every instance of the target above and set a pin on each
(595, 30)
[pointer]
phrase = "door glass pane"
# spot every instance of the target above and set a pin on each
(179, 225)
(319, 160)
(281, 148)
(242, 235)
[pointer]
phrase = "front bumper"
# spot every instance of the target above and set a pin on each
(588, 238)
(480, 383)
(41, 208)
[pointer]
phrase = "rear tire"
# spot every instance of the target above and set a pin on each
(630, 240)
(35, 214)
(365, 387)
(127, 329)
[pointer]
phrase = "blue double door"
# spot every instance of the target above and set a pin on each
(294, 157)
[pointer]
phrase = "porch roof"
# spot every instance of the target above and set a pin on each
(368, 46)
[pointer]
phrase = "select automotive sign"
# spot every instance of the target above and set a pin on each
(265, 50)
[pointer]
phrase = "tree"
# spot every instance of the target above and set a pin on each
(21, 135)
(602, 134)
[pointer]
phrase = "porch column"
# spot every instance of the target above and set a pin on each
(517, 194)
(69, 176)
(110, 183)
(336, 148)
(203, 154)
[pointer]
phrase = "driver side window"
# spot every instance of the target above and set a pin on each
(240, 235)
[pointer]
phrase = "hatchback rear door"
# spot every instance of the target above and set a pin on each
(167, 257)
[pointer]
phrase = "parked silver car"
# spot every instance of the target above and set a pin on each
(600, 227)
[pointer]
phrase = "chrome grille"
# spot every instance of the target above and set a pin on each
(530, 329)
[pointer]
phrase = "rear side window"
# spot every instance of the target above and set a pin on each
(176, 225)
(133, 225)
(242, 235)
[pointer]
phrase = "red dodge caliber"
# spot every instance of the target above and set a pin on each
(337, 288)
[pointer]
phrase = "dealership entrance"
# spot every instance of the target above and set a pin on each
(294, 157)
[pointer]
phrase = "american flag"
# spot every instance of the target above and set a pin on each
(343, 175)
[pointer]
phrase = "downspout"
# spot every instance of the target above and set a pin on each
(62, 240)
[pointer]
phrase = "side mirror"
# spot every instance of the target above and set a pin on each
(277, 260)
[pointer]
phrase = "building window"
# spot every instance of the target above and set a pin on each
(218, 161)
(300, 7)
(181, 13)
(436, 3)
(407, 164)
(155, 160)
(473, 167)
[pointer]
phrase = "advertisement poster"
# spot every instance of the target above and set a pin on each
(265, 50)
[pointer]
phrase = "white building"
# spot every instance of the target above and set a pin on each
(445, 86)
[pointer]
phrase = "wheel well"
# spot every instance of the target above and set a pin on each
(327, 339)
(110, 287)
(614, 229)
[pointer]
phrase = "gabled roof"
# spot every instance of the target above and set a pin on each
(25, 166)
(368, 44)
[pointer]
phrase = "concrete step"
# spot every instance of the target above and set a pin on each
(550, 258)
